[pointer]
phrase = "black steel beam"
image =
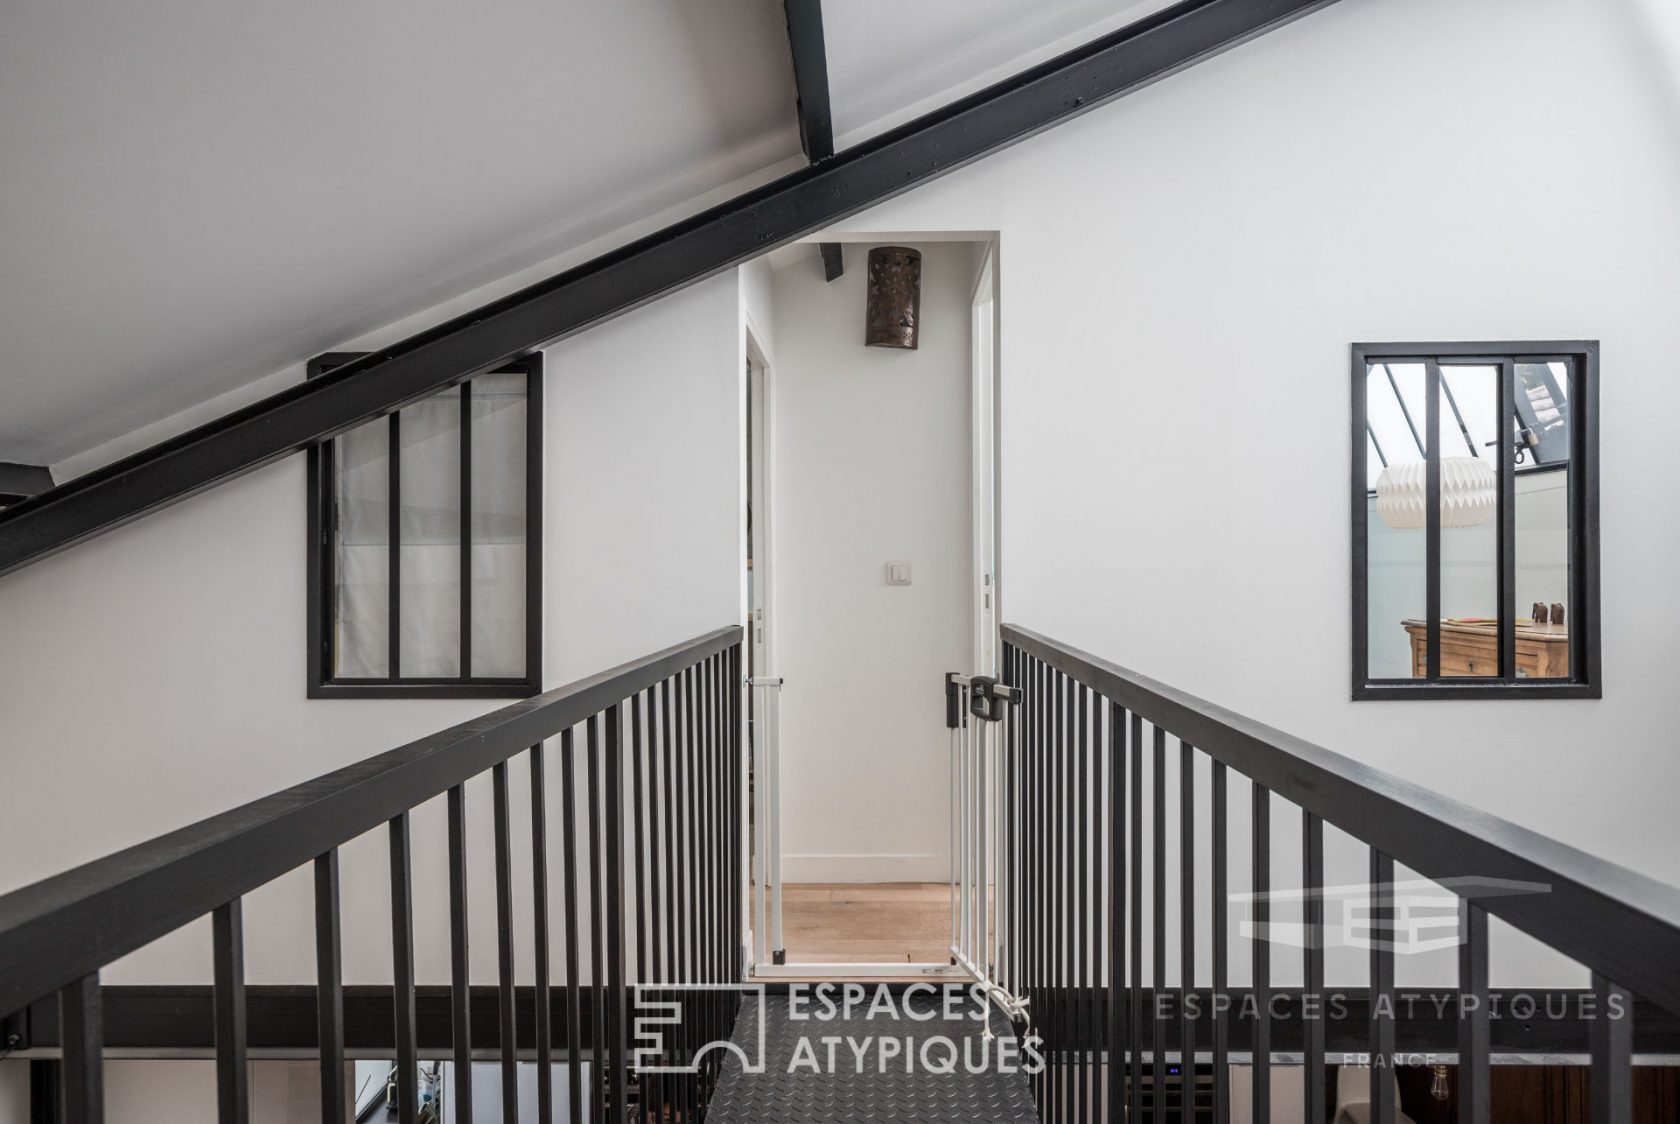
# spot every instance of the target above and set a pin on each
(800, 203)
(810, 77)
(20, 481)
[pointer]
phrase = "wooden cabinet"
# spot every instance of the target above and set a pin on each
(1472, 648)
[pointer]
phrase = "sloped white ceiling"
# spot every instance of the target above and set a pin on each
(194, 193)
(889, 60)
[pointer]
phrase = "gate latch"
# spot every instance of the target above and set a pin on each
(986, 697)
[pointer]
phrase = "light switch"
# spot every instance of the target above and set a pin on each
(898, 573)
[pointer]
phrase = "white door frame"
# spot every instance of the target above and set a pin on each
(764, 850)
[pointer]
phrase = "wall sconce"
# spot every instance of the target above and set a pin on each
(894, 310)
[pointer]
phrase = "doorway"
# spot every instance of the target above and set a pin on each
(871, 554)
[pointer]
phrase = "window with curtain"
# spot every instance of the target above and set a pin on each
(426, 541)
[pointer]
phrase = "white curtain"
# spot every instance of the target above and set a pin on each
(362, 559)
(429, 544)
(498, 525)
(429, 547)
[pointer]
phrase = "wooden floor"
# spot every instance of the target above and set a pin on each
(872, 922)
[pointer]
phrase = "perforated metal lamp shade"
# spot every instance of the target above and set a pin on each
(1469, 493)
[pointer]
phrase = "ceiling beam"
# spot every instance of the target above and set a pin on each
(833, 263)
(20, 481)
(798, 204)
(810, 78)
(810, 86)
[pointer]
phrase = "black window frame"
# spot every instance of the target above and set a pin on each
(322, 601)
(1585, 679)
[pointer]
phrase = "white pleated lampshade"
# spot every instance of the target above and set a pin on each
(1469, 493)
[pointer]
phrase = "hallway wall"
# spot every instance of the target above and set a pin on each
(870, 465)
(1183, 272)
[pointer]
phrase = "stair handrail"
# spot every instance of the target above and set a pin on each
(68, 926)
(1616, 921)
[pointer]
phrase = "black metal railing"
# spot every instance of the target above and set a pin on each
(1088, 919)
(649, 862)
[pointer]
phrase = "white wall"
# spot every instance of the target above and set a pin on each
(870, 465)
(1183, 272)
(162, 679)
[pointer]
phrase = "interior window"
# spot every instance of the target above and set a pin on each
(1475, 520)
(426, 544)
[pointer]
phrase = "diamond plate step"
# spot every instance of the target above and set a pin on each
(786, 1092)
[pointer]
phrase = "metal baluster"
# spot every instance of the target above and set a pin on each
(618, 1051)
(568, 882)
(82, 1032)
(639, 795)
(1262, 1056)
(1474, 1088)
(1382, 987)
(691, 817)
(982, 871)
(1042, 854)
(508, 1033)
(233, 1100)
(1006, 853)
(709, 849)
(1136, 1004)
(329, 989)
(702, 874)
(597, 969)
(1079, 794)
(1221, 953)
(719, 846)
(1119, 1047)
(1096, 993)
(705, 1027)
(668, 884)
(1312, 999)
(649, 956)
(737, 751)
(1063, 849)
(460, 976)
(1033, 854)
(539, 953)
(1611, 1038)
(1158, 1034)
(1186, 929)
(402, 972)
